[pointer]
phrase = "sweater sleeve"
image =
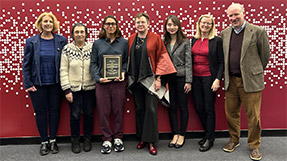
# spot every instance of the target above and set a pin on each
(64, 70)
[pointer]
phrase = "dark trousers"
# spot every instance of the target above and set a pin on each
(47, 101)
(204, 100)
(180, 99)
(83, 102)
(111, 98)
(146, 114)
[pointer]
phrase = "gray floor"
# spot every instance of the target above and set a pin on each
(273, 149)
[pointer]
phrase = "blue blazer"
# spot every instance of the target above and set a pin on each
(31, 61)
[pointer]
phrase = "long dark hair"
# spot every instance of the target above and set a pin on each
(180, 35)
(103, 33)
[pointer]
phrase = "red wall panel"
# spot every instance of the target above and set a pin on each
(17, 24)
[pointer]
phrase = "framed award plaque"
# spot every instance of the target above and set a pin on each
(112, 66)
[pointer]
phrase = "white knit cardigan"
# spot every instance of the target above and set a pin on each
(75, 68)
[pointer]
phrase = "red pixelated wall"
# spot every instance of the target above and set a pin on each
(17, 24)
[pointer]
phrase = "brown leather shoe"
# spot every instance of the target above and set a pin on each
(141, 145)
(230, 146)
(255, 154)
(152, 149)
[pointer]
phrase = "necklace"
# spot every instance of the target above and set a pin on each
(139, 42)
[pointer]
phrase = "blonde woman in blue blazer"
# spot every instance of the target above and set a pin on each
(41, 67)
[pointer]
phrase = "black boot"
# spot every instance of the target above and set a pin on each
(76, 147)
(207, 145)
(87, 143)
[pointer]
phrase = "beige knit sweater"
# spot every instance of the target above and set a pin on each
(75, 68)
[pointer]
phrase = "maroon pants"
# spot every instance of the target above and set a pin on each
(111, 97)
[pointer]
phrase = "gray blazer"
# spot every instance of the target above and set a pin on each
(181, 58)
(255, 54)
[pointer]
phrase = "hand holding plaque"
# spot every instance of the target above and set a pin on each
(112, 66)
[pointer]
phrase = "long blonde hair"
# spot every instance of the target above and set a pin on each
(211, 33)
(55, 21)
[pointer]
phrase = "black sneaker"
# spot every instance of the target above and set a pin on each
(106, 147)
(118, 145)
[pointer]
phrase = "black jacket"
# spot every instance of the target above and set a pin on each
(215, 57)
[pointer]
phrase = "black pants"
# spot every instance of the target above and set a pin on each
(146, 114)
(83, 102)
(178, 99)
(47, 101)
(204, 100)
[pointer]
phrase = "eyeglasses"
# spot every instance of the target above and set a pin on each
(110, 23)
(206, 23)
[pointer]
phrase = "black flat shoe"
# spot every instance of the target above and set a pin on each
(54, 148)
(177, 146)
(171, 145)
(202, 141)
(206, 146)
(44, 149)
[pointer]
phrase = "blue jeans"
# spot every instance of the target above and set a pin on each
(47, 101)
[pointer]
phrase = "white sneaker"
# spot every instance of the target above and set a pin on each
(118, 145)
(106, 147)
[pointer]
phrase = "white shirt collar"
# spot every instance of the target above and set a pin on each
(240, 29)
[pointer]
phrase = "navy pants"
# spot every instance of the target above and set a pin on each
(47, 104)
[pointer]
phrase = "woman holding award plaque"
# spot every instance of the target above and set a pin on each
(108, 67)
